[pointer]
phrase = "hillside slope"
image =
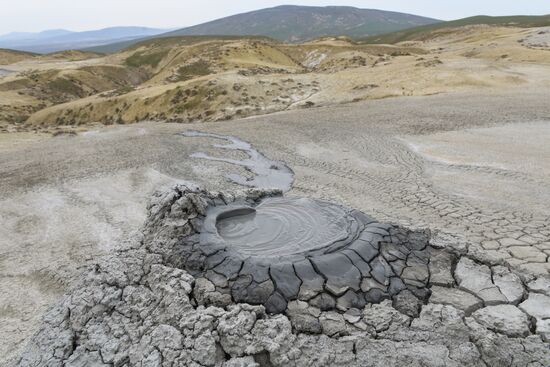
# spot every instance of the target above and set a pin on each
(301, 23)
(213, 78)
(421, 32)
(10, 56)
(292, 23)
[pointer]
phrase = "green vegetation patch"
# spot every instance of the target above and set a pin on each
(193, 70)
(62, 85)
(139, 59)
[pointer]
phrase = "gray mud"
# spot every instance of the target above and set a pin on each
(138, 307)
(282, 226)
(271, 250)
(267, 173)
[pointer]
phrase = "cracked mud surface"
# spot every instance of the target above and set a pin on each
(359, 156)
(137, 308)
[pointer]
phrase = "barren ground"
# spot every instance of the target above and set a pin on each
(473, 164)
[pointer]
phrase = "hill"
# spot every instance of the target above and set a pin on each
(292, 23)
(215, 78)
(300, 23)
(10, 56)
(421, 32)
(59, 40)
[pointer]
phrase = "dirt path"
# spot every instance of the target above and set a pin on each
(66, 200)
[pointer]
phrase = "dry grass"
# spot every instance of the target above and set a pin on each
(217, 78)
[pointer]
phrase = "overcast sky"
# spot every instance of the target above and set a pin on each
(78, 15)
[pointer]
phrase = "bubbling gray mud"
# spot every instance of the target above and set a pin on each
(281, 226)
(267, 173)
(272, 250)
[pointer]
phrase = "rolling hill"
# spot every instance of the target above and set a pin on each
(292, 23)
(10, 56)
(300, 23)
(421, 32)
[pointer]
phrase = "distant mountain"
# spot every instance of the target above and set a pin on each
(419, 33)
(300, 23)
(59, 40)
(33, 36)
(295, 24)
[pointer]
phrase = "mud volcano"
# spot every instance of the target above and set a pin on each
(281, 228)
(274, 250)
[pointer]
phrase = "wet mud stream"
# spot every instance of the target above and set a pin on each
(266, 173)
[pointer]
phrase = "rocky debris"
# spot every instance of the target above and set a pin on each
(440, 266)
(538, 40)
(460, 299)
(476, 278)
(538, 307)
(381, 317)
(304, 318)
(506, 319)
(138, 307)
(508, 283)
(540, 285)
(543, 329)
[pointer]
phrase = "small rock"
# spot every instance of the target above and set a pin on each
(350, 299)
(323, 302)
(303, 317)
(477, 279)
(241, 362)
(465, 354)
(537, 306)
(202, 286)
(543, 329)
(275, 303)
(382, 316)
(333, 323)
(455, 297)
(83, 359)
(504, 319)
(353, 315)
(440, 267)
(509, 284)
(540, 285)
(406, 303)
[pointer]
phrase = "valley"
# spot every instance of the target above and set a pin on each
(190, 79)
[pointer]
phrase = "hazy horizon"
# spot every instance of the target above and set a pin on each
(36, 15)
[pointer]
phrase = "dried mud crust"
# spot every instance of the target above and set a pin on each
(138, 308)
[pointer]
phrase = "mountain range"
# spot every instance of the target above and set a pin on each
(288, 23)
(61, 39)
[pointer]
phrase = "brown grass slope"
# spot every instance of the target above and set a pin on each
(12, 56)
(184, 79)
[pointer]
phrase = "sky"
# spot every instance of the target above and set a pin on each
(79, 15)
